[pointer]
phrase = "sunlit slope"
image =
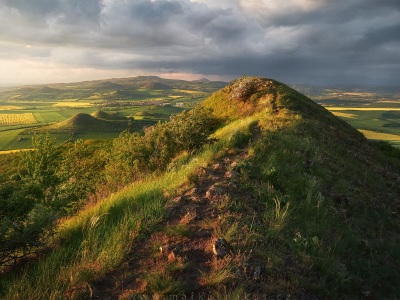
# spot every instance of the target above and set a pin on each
(80, 122)
(307, 207)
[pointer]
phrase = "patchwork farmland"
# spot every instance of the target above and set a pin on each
(127, 103)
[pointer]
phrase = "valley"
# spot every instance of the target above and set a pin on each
(126, 104)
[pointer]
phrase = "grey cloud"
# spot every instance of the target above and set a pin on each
(69, 11)
(155, 13)
(32, 8)
(375, 38)
(329, 41)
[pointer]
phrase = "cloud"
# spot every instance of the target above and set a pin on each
(317, 41)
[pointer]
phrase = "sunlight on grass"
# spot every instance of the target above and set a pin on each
(10, 107)
(72, 104)
(360, 108)
(99, 237)
(373, 135)
(344, 115)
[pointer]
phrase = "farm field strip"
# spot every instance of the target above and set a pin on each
(10, 107)
(72, 104)
(48, 116)
(343, 108)
(17, 119)
(14, 151)
(344, 115)
(191, 92)
(373, 135)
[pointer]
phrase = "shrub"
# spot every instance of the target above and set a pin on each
(134, 155)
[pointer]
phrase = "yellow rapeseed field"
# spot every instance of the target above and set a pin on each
(344, 108)
(17, 119)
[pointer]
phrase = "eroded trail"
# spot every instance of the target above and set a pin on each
(180, 254)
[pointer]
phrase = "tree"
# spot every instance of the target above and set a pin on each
(27, 204)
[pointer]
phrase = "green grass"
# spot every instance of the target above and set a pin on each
(98, 238)
(309, 210)
(92, 243)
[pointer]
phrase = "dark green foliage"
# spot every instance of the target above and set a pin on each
(9, 165)
(39, 164)
(49, 185)
(80, 173)
(134, 155)
(29, 205)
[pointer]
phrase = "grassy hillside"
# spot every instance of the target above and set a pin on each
(286, 200)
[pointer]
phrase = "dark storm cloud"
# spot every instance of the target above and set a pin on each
(296, 40)
(67, 11)
(380, 37)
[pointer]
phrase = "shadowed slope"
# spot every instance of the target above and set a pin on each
(106, 116)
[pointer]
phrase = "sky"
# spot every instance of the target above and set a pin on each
(321, 42)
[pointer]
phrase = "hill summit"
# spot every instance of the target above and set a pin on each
(80, 122)
(280, 200)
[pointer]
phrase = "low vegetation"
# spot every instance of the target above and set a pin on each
(257, 167)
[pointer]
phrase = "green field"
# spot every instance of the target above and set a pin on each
(13, 137)
(375, 123)
(375, 112)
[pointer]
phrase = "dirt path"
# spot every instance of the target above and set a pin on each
(181, 251)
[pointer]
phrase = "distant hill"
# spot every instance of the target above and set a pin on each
(106, 85)
(79, 123)
(110, 89)
(82, 122)
(202, 80)
(156, 86)
(46, 89)
(97, 122)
